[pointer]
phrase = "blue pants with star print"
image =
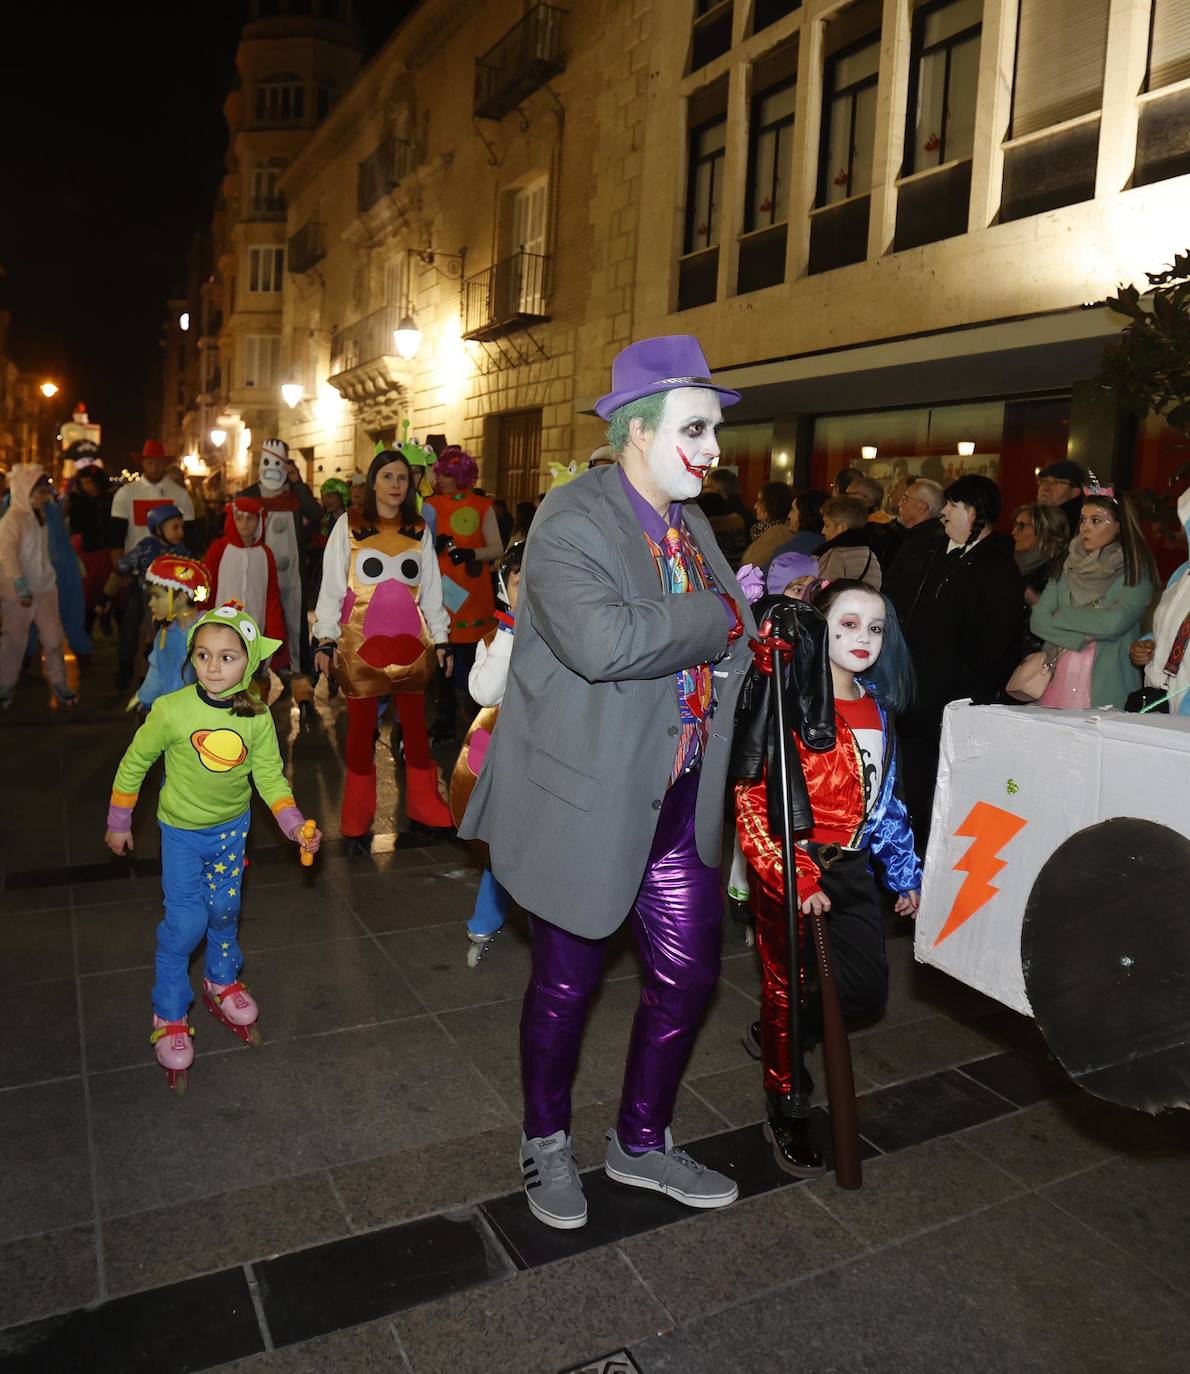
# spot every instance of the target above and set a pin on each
(202, 873)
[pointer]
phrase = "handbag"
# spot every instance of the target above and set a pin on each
(1146, 696)
(1070, 686)
(1032, 675)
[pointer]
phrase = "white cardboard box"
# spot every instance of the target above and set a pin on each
(1026, 779)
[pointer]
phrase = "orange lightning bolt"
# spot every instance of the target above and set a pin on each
(990, 829)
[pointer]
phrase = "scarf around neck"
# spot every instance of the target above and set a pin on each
(1089, 575)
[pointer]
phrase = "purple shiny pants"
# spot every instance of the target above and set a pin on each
(676, 923)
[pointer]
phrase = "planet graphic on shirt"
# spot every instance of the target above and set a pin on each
(219, 750)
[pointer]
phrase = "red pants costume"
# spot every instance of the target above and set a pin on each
(423, 801)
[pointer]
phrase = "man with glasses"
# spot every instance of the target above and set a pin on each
(1061, 484)
(915, 529)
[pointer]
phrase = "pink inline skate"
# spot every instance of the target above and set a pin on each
(173, 1041)
(234, 1005)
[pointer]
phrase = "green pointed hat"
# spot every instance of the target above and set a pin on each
(256, 645)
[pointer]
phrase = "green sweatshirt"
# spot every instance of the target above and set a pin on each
(211, 759)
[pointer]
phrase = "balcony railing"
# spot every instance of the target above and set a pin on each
(523, 60)
(508, 296)
(364, 341)
(382, 170)
(307, 248)
(266, 207)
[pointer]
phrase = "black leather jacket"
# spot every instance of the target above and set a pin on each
(809, 702)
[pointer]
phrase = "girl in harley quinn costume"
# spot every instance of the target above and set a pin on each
(858, 816)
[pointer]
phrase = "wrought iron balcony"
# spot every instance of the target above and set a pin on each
(307, 248)
(523, 60)
(509, 295)
(366, 350)
(382, 170)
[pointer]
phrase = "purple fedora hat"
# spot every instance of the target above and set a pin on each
(661, 364)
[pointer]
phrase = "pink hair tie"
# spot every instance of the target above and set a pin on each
(1100, 491)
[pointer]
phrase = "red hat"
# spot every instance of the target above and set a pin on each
(153, 448)
(181, 575)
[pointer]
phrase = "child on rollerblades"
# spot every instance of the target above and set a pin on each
(217, 738)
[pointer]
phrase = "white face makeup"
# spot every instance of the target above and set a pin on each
(684, 450)
(855, 624)
(273, 472)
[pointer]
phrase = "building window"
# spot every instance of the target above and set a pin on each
(767, 12)
(265, 269)
(262, 360)
(708, 144)
(1060, 54)
(712, 31)
(1169, 44)
(1057, 92)
(266, 199)
(945, 78)
(1163, 137)
(849, 123)
(770, 140)
(328, 98)
(280, 99)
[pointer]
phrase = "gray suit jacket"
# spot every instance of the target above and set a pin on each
(579, 763)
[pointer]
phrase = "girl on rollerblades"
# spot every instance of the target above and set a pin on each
(217, 738)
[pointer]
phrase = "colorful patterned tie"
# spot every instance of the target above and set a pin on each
(679, 578)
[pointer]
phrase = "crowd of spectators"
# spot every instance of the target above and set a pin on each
(1072, 577)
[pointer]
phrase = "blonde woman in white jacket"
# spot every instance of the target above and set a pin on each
(28, 587)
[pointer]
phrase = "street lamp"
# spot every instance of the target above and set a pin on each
(292, 393)
(407, 338)
(49, 389)
(218, 436)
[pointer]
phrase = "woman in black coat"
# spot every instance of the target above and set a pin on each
(961, 613)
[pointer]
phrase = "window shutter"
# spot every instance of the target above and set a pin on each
(1169, 54)
(1061, 48)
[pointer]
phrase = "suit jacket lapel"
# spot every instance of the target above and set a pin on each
(641, 566)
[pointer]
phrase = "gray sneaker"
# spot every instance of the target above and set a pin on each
(669, 1171)
(552, 1186)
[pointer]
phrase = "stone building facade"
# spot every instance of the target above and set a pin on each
(886, 219)
(293, 64)
(481, 180)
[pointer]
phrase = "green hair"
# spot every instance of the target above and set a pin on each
(648, 410)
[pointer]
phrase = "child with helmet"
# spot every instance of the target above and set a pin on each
(218, 739)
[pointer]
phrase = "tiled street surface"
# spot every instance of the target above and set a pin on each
(345, 1198)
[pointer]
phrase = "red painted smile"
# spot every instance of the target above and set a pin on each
(699, 472)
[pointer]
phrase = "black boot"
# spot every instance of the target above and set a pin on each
(792, 1138)
(357, 844)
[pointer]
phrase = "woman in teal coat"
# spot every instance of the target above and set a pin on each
(1089, 615)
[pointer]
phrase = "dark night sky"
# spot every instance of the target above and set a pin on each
(111, 149)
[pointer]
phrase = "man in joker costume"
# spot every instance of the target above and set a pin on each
(291, 509)
(602, 795)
